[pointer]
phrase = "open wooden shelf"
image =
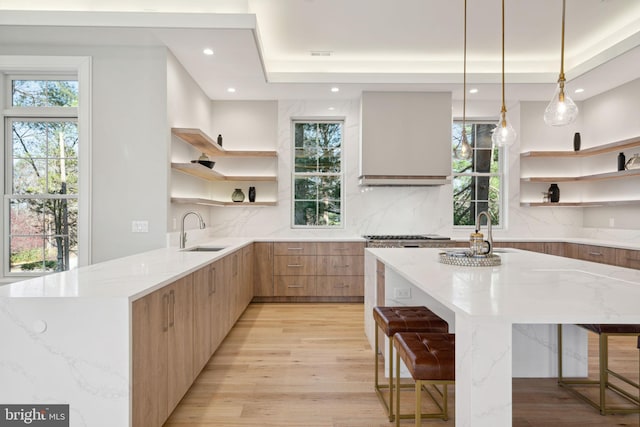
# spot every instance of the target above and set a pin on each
(593, 151)
(205, 144)
(209, 202)
(597, 177)
(200, 171)
(581, 204)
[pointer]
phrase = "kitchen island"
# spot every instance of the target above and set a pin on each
(483, 304)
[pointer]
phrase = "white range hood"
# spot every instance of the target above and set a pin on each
(405, 138)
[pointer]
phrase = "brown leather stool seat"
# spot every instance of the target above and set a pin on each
(431, 361)
(604, 331)
(392, 320)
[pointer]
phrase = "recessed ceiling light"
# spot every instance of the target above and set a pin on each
(208, 51)
(335, 89)
(474, 90)
(331, 108)
(231, 89)
(579, 90)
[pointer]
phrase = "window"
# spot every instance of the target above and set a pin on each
(317, 178)
(41, 182)
(477, 182)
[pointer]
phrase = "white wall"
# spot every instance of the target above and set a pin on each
(187, 107)
(129, 141)
(609, 117)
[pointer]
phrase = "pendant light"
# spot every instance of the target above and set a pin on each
(561, 111)
(503, 134)
(463, 150)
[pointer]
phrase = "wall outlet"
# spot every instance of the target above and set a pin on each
(139, 226)
(402, 293)
(612, 222)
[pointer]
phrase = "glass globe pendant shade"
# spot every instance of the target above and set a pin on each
(503, 134)
(561, 111)
(463, 150)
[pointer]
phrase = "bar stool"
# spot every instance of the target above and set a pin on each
(431, 360)
(392, 320)
(604, 331)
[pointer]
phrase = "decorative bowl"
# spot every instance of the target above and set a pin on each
(207, 163)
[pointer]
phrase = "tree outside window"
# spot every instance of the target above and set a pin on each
(43, 190)
(477, 181)
(317, 177)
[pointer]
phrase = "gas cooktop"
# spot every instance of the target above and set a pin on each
(405, 237)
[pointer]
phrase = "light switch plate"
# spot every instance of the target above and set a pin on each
(402, 293)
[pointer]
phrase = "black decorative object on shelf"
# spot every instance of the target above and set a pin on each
(554, 193)
(220, 140)
(621, 162)
(576, 141)
(252, 194)
(237, 196)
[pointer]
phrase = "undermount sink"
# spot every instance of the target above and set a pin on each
(204, 249)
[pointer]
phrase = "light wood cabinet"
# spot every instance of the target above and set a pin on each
(295, 286)
(263, 269)
(247, 277)
(309, 271)
(345, 265)
(294, 265)
(294, 248)
(339, 286)
(162, 340)
(202, 324)
(628, 258)
(601, 254)
(176, 329)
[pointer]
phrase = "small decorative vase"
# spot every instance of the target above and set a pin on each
(576, 141)
(554, 193)
(238, 195)
(252, 194)
(621, 162)
(220, 140)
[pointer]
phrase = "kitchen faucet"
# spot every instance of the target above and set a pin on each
(489, 236)
(183, 234)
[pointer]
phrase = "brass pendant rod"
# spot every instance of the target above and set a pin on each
(562, 43)
(464, 73)
(504, 108)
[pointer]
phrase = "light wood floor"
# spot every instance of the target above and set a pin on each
(311, 365)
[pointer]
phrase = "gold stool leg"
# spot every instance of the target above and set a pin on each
(603, 364)
(418, 403)
(397, 391)
(391, 379)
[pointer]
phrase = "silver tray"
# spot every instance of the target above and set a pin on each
(466, 259)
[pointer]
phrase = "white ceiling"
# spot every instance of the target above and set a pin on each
(263, 47)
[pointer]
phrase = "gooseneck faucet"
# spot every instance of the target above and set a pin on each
(183, 234)
(489, 236)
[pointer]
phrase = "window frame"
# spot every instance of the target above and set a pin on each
(76, 68)
(500, 174)
(295, 174)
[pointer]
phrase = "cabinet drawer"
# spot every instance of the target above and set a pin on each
(628, 258)
(340, 286)
(295, 286)
(294, 248)
(294, 265)
(349, 265)
(599, 254)
(340, 248)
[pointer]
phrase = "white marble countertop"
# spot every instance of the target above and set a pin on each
(527, 288)
(130, 277)
(137, 275)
